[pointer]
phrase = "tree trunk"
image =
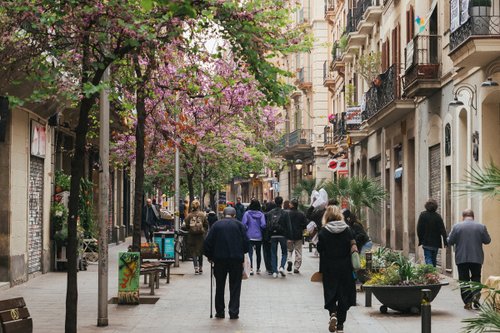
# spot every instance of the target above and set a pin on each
(213, 204)
(77, 170)
(139, 166)
(190, 184)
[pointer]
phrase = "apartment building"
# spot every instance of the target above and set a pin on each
(422, 75)
(302, 144)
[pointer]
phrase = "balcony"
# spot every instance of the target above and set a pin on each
(303, 80)
(329, 10)
(366, 15)
(340, 134)
(423, 66)
(294, 143)
(337, 64)
(355, 39)
(328, 78)
(476, 42)
(384, 104)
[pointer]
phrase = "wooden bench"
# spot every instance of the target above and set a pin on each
(15, 317)
(153, 270)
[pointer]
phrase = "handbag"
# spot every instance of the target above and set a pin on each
(246, 267)
(356, 262)
(317, 277)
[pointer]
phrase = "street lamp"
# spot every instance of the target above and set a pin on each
(251, 174)
(298, 164)
(489, 83)
(473, 96)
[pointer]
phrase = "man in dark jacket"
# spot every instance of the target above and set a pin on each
(431, 232)
(279, 228)
(240, 209)
(150, 219)
(298, 222)
(225, 246)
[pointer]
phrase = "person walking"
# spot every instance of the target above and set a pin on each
(319, 201)
(211, 217)
(266, 240)
(182, 210)
(197, 225)
(335, 245)
(150, 220)
(254, 221)
(240, 209)
(362, 239)
(468, 238)
(279, 229)
(298, 223)
(431, 232)
(225, 246)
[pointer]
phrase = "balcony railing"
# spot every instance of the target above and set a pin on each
(350, 23)
(359, 11)
(329, 6)
(485, 25)
(377, 98)
(327, 73)
(339, 130)
(293, 139)
(423, 59)
(304, 78)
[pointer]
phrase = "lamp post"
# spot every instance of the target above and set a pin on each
(298, 164)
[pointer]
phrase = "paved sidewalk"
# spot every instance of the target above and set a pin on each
(289, 304)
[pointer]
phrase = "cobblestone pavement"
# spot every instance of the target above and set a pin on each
(285, 304)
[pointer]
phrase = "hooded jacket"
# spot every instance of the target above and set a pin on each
(255, 222)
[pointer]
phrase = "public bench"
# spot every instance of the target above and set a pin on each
(15, 317)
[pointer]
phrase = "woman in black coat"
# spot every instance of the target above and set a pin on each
(431, 232)
(335, 245)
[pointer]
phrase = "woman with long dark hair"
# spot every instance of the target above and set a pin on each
(254, 221)
(335, 245)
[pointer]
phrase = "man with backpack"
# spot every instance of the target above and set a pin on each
(279, 229)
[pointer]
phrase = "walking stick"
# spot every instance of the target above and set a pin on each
(211, 288)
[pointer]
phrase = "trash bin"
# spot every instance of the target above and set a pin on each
(165, 241)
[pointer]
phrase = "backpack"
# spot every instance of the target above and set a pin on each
(196, 225)
(275, 227)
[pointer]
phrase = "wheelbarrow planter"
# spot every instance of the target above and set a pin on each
(406, 299)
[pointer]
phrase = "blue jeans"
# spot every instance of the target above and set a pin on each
(367, 247)
(274, 252)
(430, 254)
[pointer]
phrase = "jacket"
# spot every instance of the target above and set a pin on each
(298, 223)
(284, 222)
(195, 241)
(240, 210)
(212, 218)
(150, 215)
(468, 237)
(430, 230)
(255, 222)
(226, 240)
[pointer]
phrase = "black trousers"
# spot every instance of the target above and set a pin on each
(148, 232)
(221, 270)
(266, 251)
(469, 272)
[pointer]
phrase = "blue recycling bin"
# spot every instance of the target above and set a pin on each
(166, 243)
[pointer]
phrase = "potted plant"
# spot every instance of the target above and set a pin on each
(331, 118)
(480, 12)
(397, 282)
(62, 181)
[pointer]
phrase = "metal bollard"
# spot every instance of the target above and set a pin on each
(425, 310)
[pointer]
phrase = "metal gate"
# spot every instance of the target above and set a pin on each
(35, 215)
(435, 181)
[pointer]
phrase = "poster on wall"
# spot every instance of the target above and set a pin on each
(128, 277)
(454, 15)
(38, 139)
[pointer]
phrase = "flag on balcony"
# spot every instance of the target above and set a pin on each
(421, 22)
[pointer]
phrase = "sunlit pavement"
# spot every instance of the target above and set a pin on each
(285, 304)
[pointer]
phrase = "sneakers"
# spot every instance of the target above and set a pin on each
(269, 272)
(332, 325)
(196, 270)
(468, 306)
(275, 275)
(340, 328)
(200, 270)
(282, 271)
(289, 267)
(258, 271)
(251, 272)
(296, 271)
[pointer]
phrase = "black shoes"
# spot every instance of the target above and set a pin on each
(220, 315)
(233, 316)
(289, 267)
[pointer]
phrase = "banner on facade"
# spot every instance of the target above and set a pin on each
(353, 115)
(38, 139)
(129, 268)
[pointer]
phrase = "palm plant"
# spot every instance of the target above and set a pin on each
(304, 189)
(485, 182)
(359, 192)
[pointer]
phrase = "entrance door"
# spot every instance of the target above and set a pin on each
(35, 215)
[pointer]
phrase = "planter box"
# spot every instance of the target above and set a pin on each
(402, 298)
